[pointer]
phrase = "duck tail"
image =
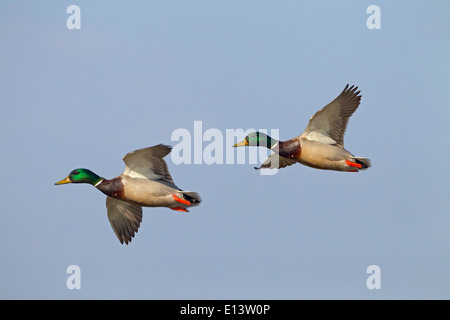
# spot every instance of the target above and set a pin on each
(364, 162)
(192, 197)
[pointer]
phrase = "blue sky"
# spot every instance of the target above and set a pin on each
(135, 72)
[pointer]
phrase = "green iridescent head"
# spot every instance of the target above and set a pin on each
(257, 139)
(81, 176)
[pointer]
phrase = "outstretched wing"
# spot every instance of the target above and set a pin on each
(125, 218)
(328, 124)
(148, 163)
(276, 161)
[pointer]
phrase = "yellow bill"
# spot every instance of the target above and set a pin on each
(243, 143)
(64, 181)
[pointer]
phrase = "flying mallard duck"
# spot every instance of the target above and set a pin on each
(145, 182)
(321, 145)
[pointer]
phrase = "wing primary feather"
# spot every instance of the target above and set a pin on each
(328, 125)
(125, 218)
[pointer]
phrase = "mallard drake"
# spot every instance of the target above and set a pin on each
(145, 182)
(321, 145)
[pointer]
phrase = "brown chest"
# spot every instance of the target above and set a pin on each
(113, 188)
(290, 149)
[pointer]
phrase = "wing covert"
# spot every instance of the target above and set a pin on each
(148, 163)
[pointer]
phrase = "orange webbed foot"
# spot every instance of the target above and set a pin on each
(181, 209)
(353, 164)
(181, 200)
